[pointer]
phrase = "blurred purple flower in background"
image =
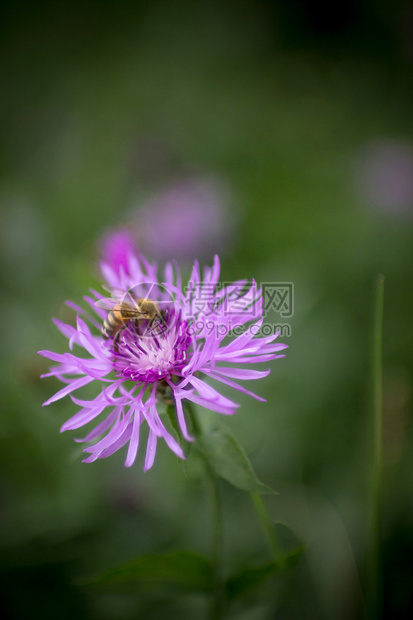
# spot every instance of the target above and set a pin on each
(195, 217)
(116, 246)
(385, 176)
(145, 364)
(186, 219)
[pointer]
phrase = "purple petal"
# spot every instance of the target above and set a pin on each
(134, 440)
(119, 443)
(209, 393)
(100, 428)
(172, 444)
(88, 341)
(181, 419)
(150, 451)
(80, 310)
(116, 431)
(208, 404)
(75, 385)
(151, 422)
(242, 373)
(75, 307)
(67, 330)
(250, 360)
(215, 271)
(109, 274)
(106, 395)
(56, 357)
(92, 303)
(235, 385)
(81, 418)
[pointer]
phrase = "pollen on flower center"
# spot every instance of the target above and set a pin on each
(147, 355)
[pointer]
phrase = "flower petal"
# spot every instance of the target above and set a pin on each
(150, 450)
(88, 341)
(181, 419)
(75, 385)
(241, 373)
(134, 439)
(100, 428)
(84, 416)
(172, 444)
(235, 385)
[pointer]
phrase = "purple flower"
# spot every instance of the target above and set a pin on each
(116, 246)
(385, 176)
(165, 358)
(195, 218)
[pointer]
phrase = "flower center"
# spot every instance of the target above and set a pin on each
(147, 353)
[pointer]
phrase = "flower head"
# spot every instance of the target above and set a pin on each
(160, 343)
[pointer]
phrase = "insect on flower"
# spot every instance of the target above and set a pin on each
(154, 341)
(129, 309)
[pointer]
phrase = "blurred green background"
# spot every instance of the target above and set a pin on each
(305, 114)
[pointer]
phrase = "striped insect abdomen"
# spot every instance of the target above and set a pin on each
(113, 323)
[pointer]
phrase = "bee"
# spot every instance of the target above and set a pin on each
(121, 312)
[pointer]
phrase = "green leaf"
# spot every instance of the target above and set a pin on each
(171, 413)
(177, 570)
(229, 460)
(250, 578)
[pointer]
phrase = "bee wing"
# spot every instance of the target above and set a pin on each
(107, 303)
(129, 308)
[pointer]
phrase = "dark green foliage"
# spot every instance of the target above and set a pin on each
(229, 460)
(179, 570)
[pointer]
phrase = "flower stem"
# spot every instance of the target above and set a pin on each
(374, 560)
(218, 600)
(271, 536)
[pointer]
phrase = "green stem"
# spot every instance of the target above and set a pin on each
(271, 536)
(218, 600)
(375, 585)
